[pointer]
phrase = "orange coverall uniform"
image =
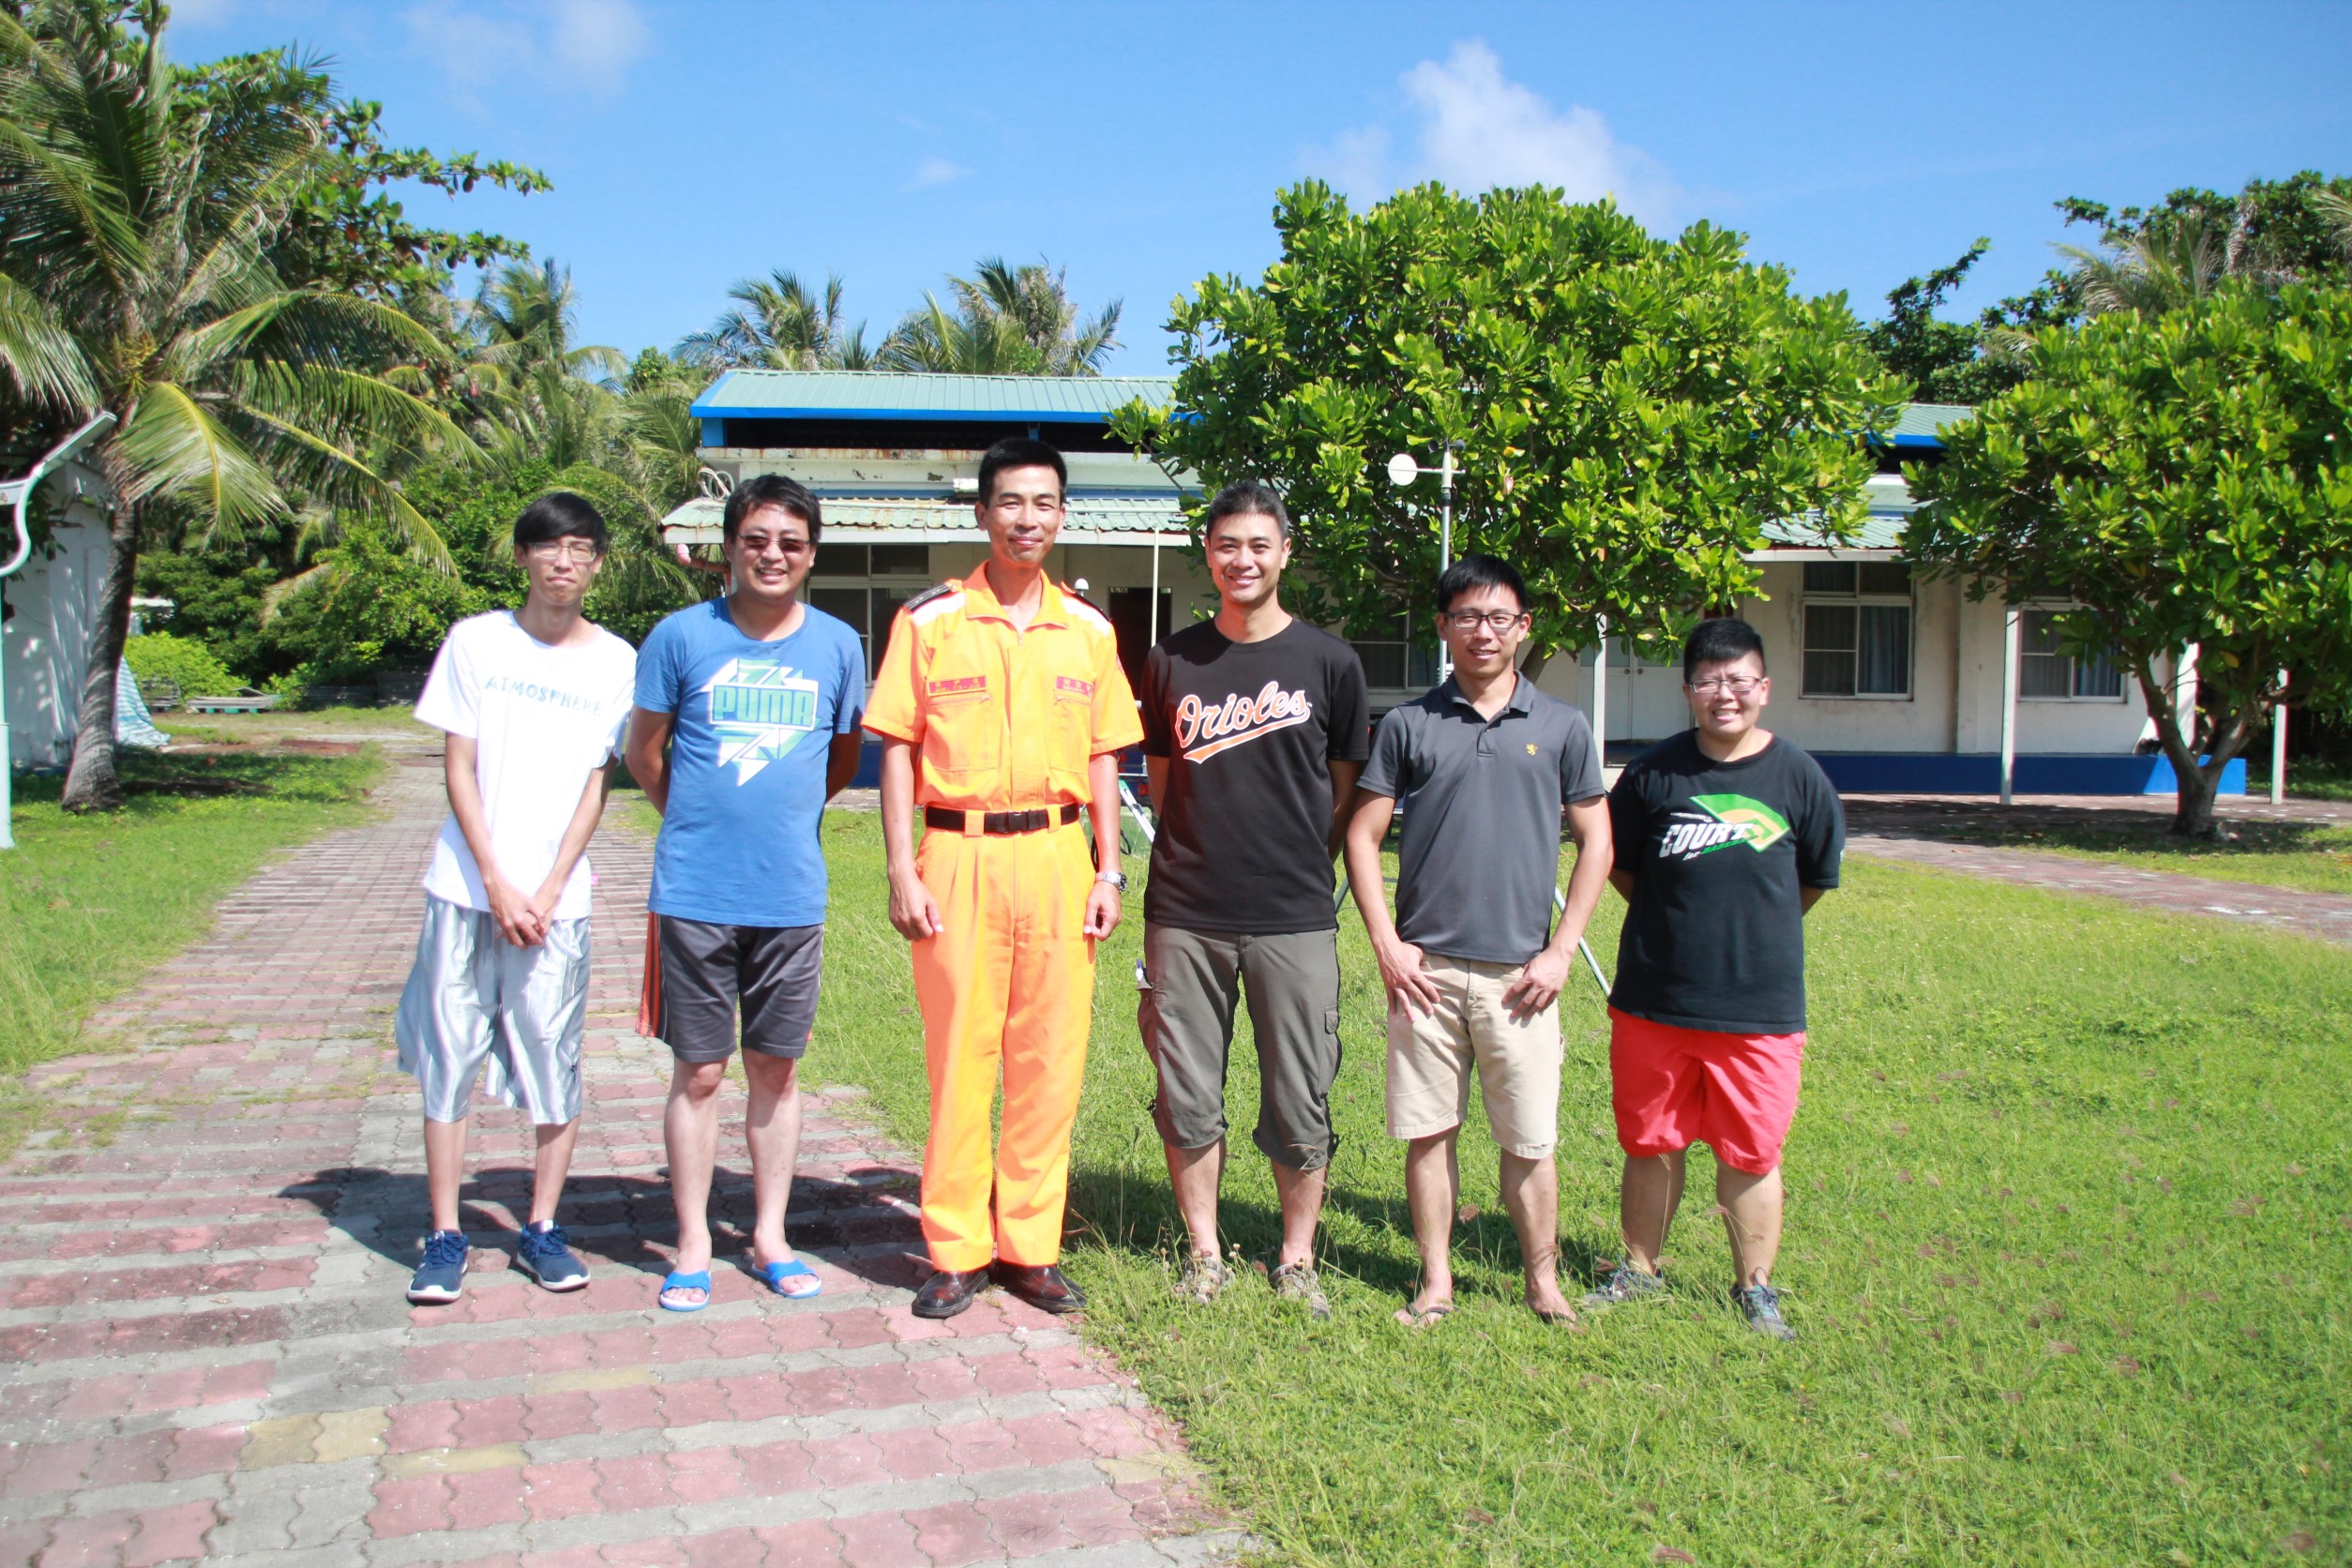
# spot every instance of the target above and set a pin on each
(1002, 721)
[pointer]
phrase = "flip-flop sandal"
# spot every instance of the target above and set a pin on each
(1427, 1316)
(678, 1280)
(791, 1268)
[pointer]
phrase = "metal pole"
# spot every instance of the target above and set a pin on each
(2278, 744)
(1601, 695)
(2011, 636)
(1152, 616)
(1446, 544)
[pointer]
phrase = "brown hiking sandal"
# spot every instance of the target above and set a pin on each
(1296, 1282)
(1200, 1279)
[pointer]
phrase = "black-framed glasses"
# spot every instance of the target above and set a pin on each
(1471, 620)
(1736, 686)
(564, 549)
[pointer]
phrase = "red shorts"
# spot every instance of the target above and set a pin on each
(1673, 1087)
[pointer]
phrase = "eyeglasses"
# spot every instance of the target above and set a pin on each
(564, 549)
(1471, 620)
(783, 543)
(1736, 686)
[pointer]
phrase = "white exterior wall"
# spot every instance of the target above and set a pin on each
(1955, 704)
(44, 643)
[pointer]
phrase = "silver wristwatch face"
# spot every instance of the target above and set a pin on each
(1116, 879)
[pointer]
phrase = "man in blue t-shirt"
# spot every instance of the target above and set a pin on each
(746, 724)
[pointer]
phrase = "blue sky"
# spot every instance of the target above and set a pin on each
(1140, 145)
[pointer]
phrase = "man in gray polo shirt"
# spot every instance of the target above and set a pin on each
(1482, 766)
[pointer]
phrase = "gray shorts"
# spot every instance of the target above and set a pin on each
(474, 999)
(1192, 980)
(706, 974)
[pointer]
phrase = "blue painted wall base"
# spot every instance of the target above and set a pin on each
(1933, 772)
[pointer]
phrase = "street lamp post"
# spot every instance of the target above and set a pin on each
(1402, 470)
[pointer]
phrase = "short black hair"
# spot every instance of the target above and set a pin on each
(771, 490)
(1020, 451)
(1723, 639)
(1247, 498)
(1473, 572)
(560, 515)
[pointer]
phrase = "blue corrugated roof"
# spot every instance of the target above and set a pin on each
(1052, 399)
(898, 395)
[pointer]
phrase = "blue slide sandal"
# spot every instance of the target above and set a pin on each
(793, 1268)
(699, 1280)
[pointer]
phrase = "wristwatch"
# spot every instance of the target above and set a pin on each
(1116, 879)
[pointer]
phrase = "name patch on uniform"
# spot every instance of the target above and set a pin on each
(1070, 686)
(951, 687)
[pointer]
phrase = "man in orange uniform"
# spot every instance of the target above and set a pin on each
(1000, 707)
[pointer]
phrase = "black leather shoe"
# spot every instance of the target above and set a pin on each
(948, 1292)
(1042, 1288)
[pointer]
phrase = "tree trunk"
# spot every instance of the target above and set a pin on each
(1532, 666)
(2198, 786)
(90, 781)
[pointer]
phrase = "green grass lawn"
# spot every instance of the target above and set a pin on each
(2313, 856)
(2311, 778)
(87, 904)
(193, 728)
(2070, 1242)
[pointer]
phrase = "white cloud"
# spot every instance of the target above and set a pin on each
(1479, 129)
(570, 43)
(599, 38)
(934, 170)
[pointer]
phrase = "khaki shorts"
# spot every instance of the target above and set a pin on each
(1432, 1055)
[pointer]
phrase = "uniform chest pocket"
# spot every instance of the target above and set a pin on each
(963, 732)
(1072, 731)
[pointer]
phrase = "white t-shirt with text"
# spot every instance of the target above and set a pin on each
(542, 719)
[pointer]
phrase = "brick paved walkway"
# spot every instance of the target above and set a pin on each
(1912, 828)
(204, 1354)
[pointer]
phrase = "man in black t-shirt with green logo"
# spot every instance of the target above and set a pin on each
(1725, 836)
(1255, 727)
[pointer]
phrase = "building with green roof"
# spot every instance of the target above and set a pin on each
(1895, 680)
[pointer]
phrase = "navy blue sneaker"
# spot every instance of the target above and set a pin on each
(545, 1256)
(1761, 1305)
(440, 1278)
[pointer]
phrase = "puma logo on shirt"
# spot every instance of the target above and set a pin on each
(1238, 719)
(760, 711)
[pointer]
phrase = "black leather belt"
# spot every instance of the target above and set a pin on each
(999, 822)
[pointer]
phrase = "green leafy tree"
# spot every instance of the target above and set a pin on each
(141, 209)
(1632, 411)
(2183, 479)
(1946, 362)
(1006, 321)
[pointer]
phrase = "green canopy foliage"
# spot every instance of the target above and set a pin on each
(1632, 411)
(2184, 479)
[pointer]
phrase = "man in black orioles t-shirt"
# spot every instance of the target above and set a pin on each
(1725, 836)
(1255, 727)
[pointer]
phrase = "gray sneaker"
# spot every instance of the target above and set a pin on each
(1201, 1279)
(1625, 1283)
(1296, 1282)
(1761, 1305)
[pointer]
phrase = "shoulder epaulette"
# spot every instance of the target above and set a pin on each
(929, 593)
(1085, 611)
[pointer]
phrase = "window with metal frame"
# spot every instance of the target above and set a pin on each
(2045, 672)
(1857, 619)
(1401, 661)
(865, 585)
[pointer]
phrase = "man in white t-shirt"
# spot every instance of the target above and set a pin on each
(535, 703)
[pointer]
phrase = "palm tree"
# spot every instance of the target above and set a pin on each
(779, 324)
(522, 319)
(1007, 321)
(134, 278)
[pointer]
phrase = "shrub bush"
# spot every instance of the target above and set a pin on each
(194, 668)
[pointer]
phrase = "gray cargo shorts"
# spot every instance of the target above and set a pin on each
(1191, 981)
